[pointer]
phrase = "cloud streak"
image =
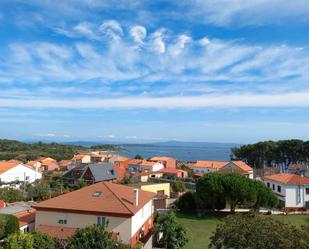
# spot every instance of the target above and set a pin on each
(298, 99)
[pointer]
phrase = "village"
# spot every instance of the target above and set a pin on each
(126, 195)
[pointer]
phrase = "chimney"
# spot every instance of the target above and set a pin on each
(135, 197)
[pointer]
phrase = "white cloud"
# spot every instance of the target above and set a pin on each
(295, 99)
(249, 12)
(85, 29)
(111, 29)
(138, 34)
(158, 44)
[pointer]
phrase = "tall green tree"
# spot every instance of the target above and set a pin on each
(257, 232)
(174, 236)
(92, 237)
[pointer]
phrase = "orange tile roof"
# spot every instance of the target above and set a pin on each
(287, 178)
(242, 165)
(210, 164)
(31, 163)
(172, 170)
(162, 158)
(147, 163)
(57, 232)
(297, 167)
(26, 217)
(7, 165)
(115, 200)
(79, 156)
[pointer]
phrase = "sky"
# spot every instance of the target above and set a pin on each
(148, 71)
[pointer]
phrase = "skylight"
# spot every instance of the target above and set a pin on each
(97, 194)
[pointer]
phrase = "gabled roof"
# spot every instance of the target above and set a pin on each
(100, 171)
(114, 200)
(26, 217)
(7, 165)
(209, 164)
(242, 165)
(287, 178)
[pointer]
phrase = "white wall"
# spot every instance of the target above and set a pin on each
(156, 167)
(141, 217)
(293, 195)
(203, 169)
(119, 225)
(20, 172)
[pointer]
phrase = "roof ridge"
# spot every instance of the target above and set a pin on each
(118, 198)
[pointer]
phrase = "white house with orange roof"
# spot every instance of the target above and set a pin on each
(14, 170)
(127, 212)
(292, 190)
(221, 166)
(144, 166)
(168, 162)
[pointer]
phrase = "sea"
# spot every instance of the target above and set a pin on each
(181, 153)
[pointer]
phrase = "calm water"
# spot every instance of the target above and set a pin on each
(184, 153)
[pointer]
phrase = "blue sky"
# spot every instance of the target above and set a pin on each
(139, 71)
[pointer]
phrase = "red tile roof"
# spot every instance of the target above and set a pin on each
(26, 217)
(210, 164)
(172, 170)
(7, 165)
(162, 158)
(242, 165)
(115, 200)
(287, 178)
(57, 232)
(297, 167)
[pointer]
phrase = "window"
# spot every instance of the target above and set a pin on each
(27, 178)
(268, 184)
(273, 186)
(26, 230)
(279, 188)
(101, 220)
(307, 190)
(62, 219)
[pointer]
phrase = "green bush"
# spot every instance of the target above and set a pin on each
(186, 203)
(41, 240)
(8, 225)
(19, 241)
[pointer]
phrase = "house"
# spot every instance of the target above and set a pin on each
(64, 165)
(292, 190)
(174, 173)
(81, 158)
(34, 164)
(91, 173)
(145, 176)
(14, 170)
(238, 167)
(162, 191)
(168, 162)
(298, 169)
(202, 167)
(143, 165)
(24, 213)
(127, 212)
(207, 166)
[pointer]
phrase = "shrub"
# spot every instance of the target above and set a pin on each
(8, 225)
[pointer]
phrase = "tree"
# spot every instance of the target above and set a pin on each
(138, 156)
(42, 240)
(9, 194)
(94, 236)
(8, 225)
(19, 241)
(238, 190)
(186, 203)
(253, 231)
(210, 191)
(173, 234)
(178, 186)
(264, 196)
(38, 190)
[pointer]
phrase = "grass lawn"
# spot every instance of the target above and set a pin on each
(200, 229)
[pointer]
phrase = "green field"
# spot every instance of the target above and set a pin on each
(200, 229)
